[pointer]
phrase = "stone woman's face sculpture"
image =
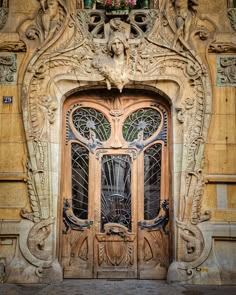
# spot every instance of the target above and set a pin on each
(117, 47)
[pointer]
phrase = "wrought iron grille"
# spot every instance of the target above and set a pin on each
(79, 164)
(116, 190)
(147, 120)
(152, 181)
(87, 119)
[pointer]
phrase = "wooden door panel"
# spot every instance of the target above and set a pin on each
(77, 254)
(116, 252)
(153, 254)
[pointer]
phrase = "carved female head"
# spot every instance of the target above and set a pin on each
(118, 42)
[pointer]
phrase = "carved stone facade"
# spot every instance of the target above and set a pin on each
(168, 50)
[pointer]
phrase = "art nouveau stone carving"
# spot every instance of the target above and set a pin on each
(17, 46)
(8, 68)
(226, 70)
(67, 55)
(4, 9)
(232, 17)
(219, 47)
(184, 14)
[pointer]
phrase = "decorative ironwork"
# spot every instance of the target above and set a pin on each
(91, 124)
(152, 181)
(71, 221)
(116, 190)
(141, 125)
(162, 135)
(160, 221)
(79, 171)
(69, 133)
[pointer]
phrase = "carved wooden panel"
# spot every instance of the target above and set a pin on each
(116, 252)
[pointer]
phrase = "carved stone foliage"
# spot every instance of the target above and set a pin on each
(226, 71)
(232, 17)
(8, 69)
(4, 9)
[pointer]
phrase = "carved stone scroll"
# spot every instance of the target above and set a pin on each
(226, 71)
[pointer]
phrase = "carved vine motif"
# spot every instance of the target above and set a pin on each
(226, 71)
(232, 17)
(8, 69)
(4, 9)
(50, 19)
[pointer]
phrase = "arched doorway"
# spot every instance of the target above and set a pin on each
(115, 185)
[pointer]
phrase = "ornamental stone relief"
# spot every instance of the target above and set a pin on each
(73, 50)
(4, 9)
(8, 69)
(226, 70)
(232, 13)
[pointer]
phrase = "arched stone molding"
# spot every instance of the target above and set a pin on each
(61, 61)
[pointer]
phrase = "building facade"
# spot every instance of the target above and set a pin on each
(117, 140)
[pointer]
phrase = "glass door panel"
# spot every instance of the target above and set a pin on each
(116, 190)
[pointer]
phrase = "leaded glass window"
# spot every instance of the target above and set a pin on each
(147, 120)
(79, 169)
(152, 181)
(87, 120)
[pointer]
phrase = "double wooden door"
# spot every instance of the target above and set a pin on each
(115, 187)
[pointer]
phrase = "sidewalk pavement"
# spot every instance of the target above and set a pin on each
(114, 287)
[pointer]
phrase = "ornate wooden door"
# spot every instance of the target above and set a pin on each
(115, 186)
